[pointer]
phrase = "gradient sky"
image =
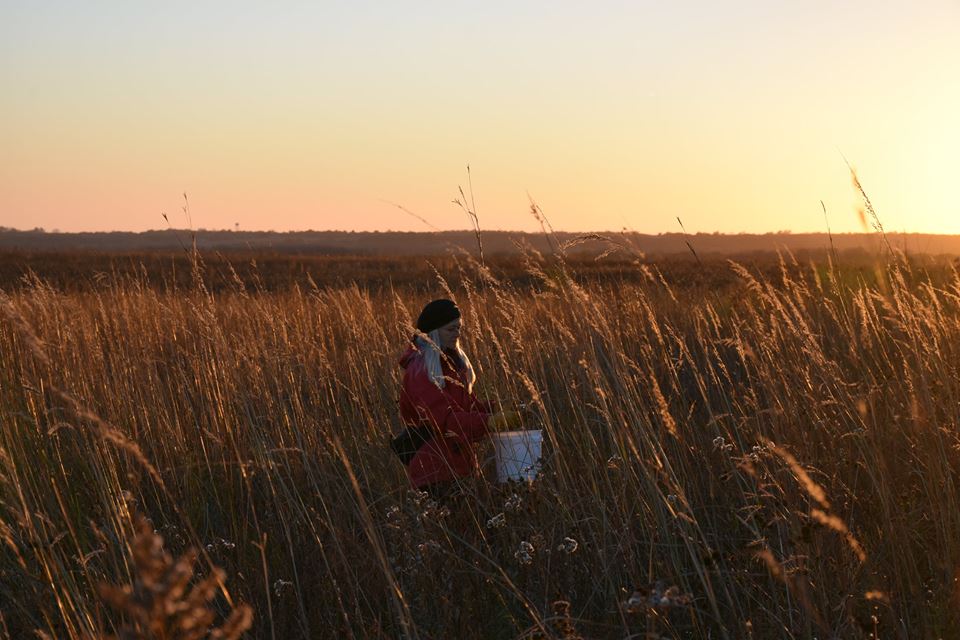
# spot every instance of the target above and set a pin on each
(735, 116)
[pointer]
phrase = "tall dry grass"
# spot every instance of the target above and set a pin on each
(779, 461)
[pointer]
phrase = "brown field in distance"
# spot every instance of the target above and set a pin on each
(396, 243)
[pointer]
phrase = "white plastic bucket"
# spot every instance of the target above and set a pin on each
(517, 454)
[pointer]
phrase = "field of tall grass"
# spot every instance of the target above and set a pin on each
(776, 460)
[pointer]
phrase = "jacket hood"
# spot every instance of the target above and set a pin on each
(413, 352)
(408, 356)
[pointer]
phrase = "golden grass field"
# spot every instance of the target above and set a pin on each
(775, 458)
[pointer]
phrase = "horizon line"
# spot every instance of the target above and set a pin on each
(782, 232)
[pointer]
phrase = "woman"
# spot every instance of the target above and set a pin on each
(437, 404)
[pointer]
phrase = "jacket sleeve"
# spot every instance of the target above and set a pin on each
(434, 407)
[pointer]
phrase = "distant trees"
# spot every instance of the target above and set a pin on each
(34, 230)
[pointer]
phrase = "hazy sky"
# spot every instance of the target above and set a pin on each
(734, 116)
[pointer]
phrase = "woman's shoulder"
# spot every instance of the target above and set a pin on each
(412, 361)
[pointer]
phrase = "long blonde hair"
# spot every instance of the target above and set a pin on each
(429, 346)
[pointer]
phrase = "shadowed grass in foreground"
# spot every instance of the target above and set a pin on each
(777, 460)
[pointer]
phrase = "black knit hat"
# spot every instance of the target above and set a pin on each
(436, 314)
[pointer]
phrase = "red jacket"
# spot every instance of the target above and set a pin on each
(457, 416)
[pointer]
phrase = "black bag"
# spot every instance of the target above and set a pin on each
(409, 442)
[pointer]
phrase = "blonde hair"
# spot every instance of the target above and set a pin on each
(429, 346)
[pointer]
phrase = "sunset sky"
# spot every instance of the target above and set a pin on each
(734, 116)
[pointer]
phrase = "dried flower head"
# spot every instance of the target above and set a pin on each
(563, 625)
(433, 510)
(497, 521)
(279, 586)
(157, 602)
(524, 554)
(428, 545)
(657, 596)
(568, 546)
(394, 517)
(720, 444)
(418, 496)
